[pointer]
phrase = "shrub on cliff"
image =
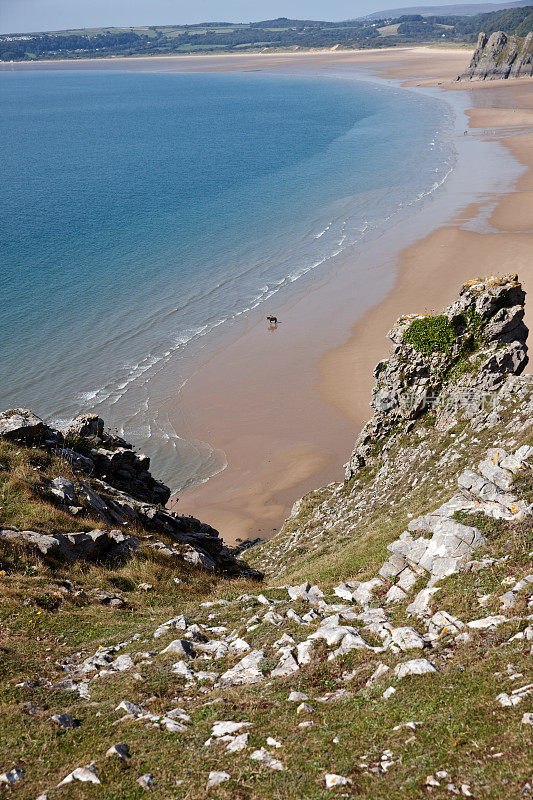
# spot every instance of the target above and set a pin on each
(431, 335)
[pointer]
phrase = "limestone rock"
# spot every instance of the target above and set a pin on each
(65, 721)
(120, 750)
(216, 778)
(417, 666)
(21, 425)
(246, 671)
(414, 381)
(333, 780)
(12, 776)
(83, 774)
(146, 781)
(267, 759)
(500, 56)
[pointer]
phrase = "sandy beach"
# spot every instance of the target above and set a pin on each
(285, 405)
(286, 412)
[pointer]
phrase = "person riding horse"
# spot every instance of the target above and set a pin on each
(272, 320)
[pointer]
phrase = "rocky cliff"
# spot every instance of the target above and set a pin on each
(447, 363)
(500, 56)
(100, 477)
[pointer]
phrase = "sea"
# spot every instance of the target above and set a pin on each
(145, 215)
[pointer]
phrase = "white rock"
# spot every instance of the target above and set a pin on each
(121, 750)
(304, 652)
(238, 743)
(333, 780)
(388, 692)
(297, 697)
(305, 708)
(129, 708)
(183, 669)
(273, 742)
(420, 607)
(223, 728)
(146, 781)
(246, 671)
(267, 759)
(508, 700)
(416, 666)
(486, 622)
(82, 774)
(527, 718)
(216, 778)
(12, 776)
(378, 673)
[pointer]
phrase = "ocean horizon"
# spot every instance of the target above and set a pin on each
(156, 211)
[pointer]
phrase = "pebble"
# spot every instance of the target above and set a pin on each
(82, 774)
(224, 728)
(305, 707)
(121, 750)
(216, 778)
(65, 721)
(238, 743)
(146, 781)
(267, 759)
(12, 776)
(296, 697)
(333, 780)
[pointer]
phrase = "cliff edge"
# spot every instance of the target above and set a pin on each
(500, 56)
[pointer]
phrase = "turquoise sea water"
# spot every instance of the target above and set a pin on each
(144, 213)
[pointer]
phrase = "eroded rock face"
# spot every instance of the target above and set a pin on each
(500, 56)
(20, 425)
(113, 484)
(445, 363)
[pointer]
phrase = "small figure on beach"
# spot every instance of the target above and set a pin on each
(272, 320)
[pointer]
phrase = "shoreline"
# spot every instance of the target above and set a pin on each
(249, 54)
(246, 500)
(287, 417)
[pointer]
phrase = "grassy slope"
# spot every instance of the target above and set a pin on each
(463, 729)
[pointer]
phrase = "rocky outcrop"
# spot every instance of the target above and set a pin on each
(112, 483)
(445, 363)
(500, 56)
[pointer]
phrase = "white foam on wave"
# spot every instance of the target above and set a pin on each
(326, 229)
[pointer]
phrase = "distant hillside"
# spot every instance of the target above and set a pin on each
(459, 9)
(274, 35)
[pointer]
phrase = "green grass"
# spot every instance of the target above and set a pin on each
(431, 335)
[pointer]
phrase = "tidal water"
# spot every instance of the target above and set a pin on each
(145, 214)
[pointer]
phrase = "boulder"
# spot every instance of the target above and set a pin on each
(21, 425)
